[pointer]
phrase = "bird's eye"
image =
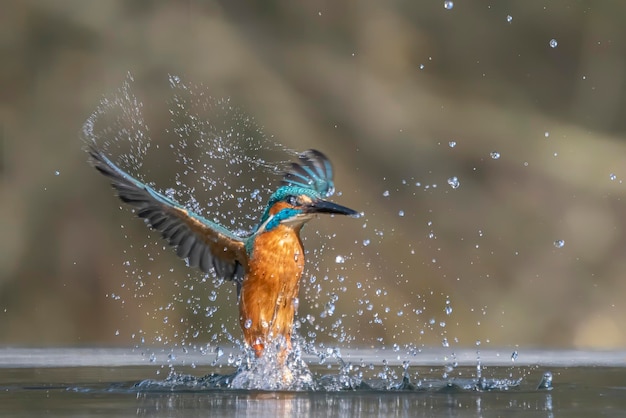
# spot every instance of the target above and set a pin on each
(292, 200)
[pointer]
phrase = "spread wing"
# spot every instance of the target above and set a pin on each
(313, 171)
(203, 243)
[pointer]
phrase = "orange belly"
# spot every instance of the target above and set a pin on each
(269, 291)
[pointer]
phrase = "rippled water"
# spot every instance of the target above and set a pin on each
(104, 382)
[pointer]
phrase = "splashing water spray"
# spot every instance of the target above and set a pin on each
(248, 235)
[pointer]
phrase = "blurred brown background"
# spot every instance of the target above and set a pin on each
(383, 88)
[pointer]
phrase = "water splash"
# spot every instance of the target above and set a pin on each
(271, 373)
(546, 381)
(222, 153)
(296, 376)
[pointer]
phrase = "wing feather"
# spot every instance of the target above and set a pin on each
(313, 171)
(203, 243)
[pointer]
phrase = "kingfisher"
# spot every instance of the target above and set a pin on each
(267, 264)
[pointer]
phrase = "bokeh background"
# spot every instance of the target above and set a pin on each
(403, 96)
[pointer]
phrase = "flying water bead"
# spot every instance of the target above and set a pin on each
(454, 182)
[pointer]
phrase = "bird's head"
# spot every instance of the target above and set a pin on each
(301, 196)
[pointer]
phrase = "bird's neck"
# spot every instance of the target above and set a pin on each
(279, 232)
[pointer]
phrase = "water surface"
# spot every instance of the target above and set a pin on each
(120, 382)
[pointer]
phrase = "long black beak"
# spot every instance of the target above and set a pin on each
(324, 206)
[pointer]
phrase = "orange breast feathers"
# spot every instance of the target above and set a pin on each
(269, 291)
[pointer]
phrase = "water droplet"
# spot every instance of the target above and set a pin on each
(448, 4)
(247, 324)
(559, 243)
(386, 193)
(330, 309)
(366, 242)
(553, 43)
(495, 155)
(340, 259)
(546, 134)
(174, 79)
(509, 18)
(454, 182)
(445, 343)
(452, 144)
(514, 356)
(401, 213)
(546, 381)
(612, 176)
(57, 172)
(448, 310)
(117, 332)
